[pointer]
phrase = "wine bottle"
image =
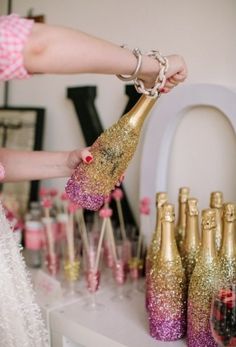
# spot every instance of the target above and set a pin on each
(228, 249)
(181, 224)
(216, 201)
(191, 242)
(167, 301)
(90, 184)
(204, 281)
(161, 199)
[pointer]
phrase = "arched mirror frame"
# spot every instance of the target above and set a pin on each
(162, 125)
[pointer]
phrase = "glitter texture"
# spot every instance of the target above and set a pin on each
(191, 244)
(228, 249)
(167, 301)
(205, 279)
(202, 287)
(72, 269)
(161, 199)
(112, 151)
(166, 293)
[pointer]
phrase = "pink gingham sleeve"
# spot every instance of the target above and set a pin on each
(13, 35)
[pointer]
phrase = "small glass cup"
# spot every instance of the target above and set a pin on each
(120, 273)
(92, 272)
(72, 269)
(223, 316)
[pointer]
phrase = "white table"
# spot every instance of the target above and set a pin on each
(120, 324)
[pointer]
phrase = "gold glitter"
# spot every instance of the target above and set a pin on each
(216, 201)
(181, 225)
(167, 287)
(204, 281)
(72, 270)
(161, 199)
(113, 150)
(191, 244)
(228, 249)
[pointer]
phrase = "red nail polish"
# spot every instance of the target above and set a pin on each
(88, 158)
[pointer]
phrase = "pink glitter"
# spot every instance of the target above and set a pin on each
(198, 337)
(76, 194)
(119, 273)
(93, 280)
(52, 263)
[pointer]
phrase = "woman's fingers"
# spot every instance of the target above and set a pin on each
(86, 155)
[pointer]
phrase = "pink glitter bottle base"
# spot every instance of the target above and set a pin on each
(77, 195)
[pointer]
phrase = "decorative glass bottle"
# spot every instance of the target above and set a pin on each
(216, 201)
(204, 281)
(161, 199)
(228, 249)
(191, 242)
(90, 184)
(167, 301)
(181, 224)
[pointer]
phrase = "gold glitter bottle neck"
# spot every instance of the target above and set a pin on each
(216, 200)
(168, 249)
(228, 248)
(208, 249)
(182, 215)
(161, 199)
(140, 110)
(192, 233)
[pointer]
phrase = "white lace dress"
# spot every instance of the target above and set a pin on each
(21, 324)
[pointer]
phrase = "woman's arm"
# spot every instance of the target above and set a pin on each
(25, 165)
(59, 50)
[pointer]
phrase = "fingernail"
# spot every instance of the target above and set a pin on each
(88, 159)
(162, 90)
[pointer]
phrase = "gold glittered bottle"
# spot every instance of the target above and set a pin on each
(90, 184)
(216, 201)
(228, 248)
(167, 299)
(191, 242)
(205, 279)
(161, 199)
(181, 224)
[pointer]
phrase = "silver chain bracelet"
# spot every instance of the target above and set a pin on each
(160, 80)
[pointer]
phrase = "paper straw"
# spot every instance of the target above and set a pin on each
(70, 237)
(121, 220)
(104, 223)
(83, 230)
(112, 240)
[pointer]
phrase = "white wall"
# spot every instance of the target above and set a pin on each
(202, 31)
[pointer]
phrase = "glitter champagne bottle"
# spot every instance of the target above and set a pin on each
(90, 184)
(204, 281)
(167, 301)
(181, 224)
(191, 242)
(161, 199)
(228, 249)
(216, 201)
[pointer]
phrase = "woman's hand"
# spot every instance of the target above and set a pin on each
(75, 157)
(176, 73)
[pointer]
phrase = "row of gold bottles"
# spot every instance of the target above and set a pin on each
(185, 263)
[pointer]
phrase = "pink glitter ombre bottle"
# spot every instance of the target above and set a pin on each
(90, 184)
(205, 280)
(167, 293)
